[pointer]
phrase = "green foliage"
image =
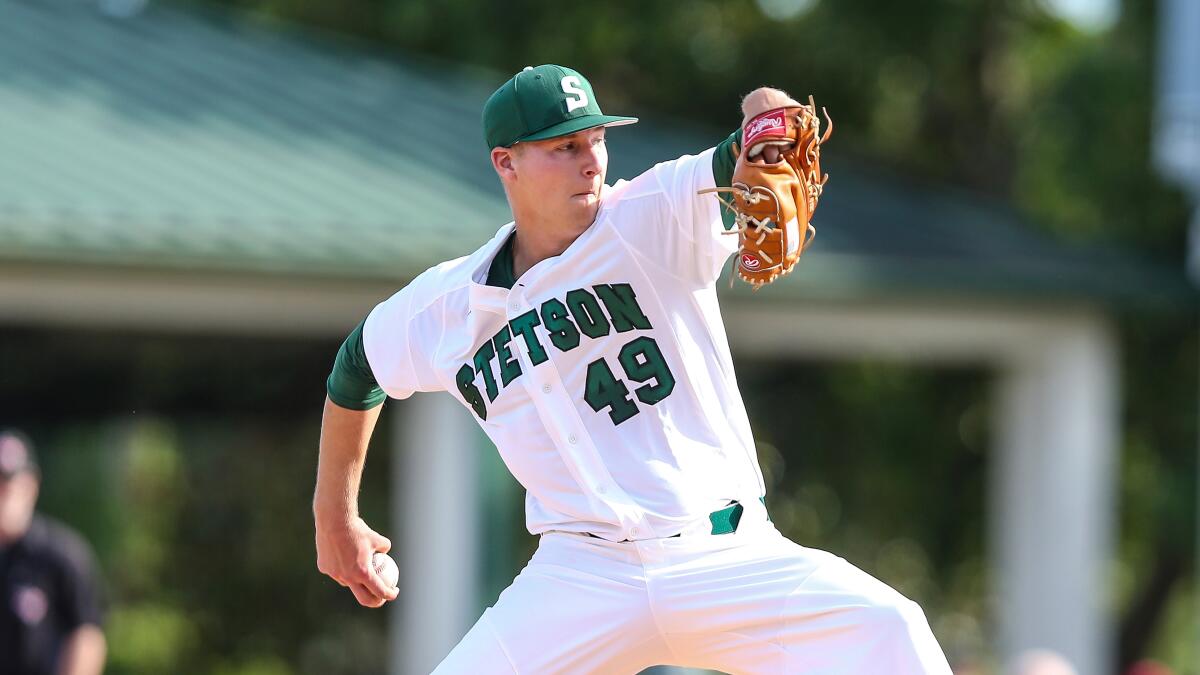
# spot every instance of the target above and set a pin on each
(148, 638)
(213, 570)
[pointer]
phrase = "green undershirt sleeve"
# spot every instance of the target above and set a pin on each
(723, 162)
(352, 385)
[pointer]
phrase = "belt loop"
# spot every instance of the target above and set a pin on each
(756, 510)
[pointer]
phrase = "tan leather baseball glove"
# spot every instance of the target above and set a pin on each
(777, 182)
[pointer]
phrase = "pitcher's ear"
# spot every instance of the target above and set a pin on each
(502, 160)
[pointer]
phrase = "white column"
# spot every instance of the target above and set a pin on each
(1052, 494)
(436, 529)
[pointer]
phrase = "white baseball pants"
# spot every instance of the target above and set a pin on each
(747, 602)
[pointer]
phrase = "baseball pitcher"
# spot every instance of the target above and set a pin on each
(587, 341)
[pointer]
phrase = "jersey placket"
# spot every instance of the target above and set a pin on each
(560, 416)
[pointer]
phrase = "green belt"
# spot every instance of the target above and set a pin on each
(724, 521)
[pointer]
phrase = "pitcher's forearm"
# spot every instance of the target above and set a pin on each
(345, 435)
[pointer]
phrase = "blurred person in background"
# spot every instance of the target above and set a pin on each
(50, 607)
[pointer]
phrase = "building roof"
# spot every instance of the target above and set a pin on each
(189, 138)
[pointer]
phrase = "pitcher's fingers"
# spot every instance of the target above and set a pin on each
(379, 587)
(365, 597)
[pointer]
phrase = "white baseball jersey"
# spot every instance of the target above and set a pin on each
(603, 376)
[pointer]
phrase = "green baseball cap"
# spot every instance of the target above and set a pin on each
(543, 102)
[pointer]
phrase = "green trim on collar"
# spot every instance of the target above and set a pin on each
(500, 274)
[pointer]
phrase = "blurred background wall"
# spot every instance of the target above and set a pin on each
(980, 386)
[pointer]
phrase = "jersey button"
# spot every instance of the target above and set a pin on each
(545, 389)
(571, 439)
(602, 490)
(635, 532)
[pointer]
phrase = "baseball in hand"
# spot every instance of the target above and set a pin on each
(386, 568)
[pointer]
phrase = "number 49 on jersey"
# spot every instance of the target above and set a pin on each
(643, 362)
